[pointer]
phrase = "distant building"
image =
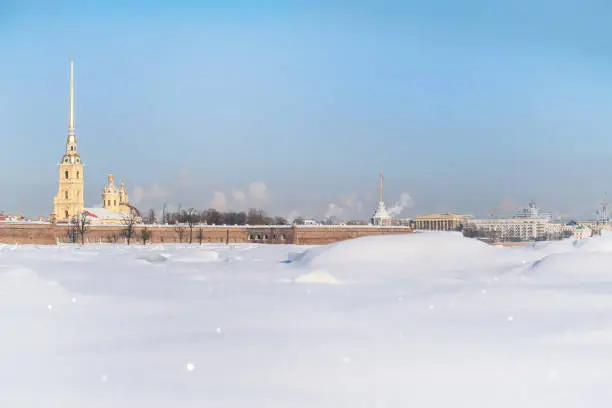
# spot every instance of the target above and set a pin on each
(533, 212)
(381, 216)
(525, 229)
(441, 222)
(559, 230)
(527, 224)
(508, 229)
(581, 232)
(407, 222)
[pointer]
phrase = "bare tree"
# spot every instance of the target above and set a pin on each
(80, 226)
(256, 217)
(191, 218)
(180, 232)
(72, 232)
(200, 235)
(151, 216)
(280, 221)
(129, 221)
(331, 220)
(145, 235)
(113, 237)
(241, 218)
(213, 217)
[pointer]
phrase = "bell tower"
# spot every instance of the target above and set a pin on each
(110, 195)
(69, 202)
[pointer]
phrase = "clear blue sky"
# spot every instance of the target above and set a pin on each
(468, 105)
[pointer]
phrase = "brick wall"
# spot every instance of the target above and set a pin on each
(44, 234)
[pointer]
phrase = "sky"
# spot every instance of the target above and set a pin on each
(468, 106)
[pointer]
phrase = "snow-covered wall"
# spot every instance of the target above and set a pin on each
(280, 234)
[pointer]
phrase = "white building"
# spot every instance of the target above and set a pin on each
(557, 228)
(527, 229)
(511, 229)
(581, 232)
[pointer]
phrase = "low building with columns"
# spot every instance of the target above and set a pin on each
(441, 222)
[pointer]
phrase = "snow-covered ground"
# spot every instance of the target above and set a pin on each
(422, 320)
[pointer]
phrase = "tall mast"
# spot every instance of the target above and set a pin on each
(380, 187)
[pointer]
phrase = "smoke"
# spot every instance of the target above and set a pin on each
(292, 215)
(219, 201)
(153, 193)
(238, 195)
(258, 190)
(333, 210)
(404, 202)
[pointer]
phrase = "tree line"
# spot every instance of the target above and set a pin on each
(79, 227)
(214, 217)
(187, 224)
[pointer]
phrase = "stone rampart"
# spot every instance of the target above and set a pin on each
(48, 234)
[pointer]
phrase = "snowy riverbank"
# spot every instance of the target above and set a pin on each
(427, 320)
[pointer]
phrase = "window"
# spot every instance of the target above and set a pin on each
(115, 202)
(72, 148)
(109, 203)
(77, 171)
(66, 174)
(78, 193)
(66, 214)
(66, 194)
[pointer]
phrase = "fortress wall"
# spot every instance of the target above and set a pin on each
(321, 235)
(48, 234)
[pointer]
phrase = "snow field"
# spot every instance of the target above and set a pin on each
(428, 320)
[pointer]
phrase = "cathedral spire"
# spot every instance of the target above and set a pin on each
(71, 140)
(71, 116)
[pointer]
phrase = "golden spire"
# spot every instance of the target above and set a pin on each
(71, 117)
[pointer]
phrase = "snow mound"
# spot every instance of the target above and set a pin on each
(154, 257)
(19, 272)
(581, 263)
(197, 256)
(319, 277)
(296, 256)
(23, 285)
(441, 249)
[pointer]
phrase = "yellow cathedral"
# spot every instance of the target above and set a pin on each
(69, 202)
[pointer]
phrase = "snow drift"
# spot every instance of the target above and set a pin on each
(428, 320)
